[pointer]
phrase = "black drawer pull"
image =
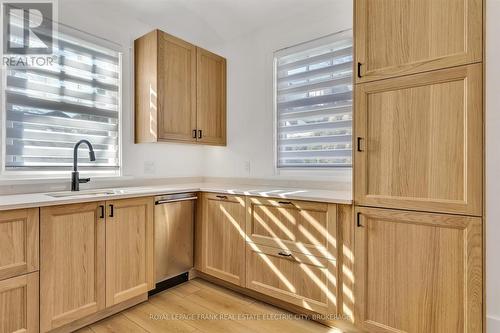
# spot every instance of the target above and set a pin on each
(222, 197)
(194, 134)
(358, 143)
(111, 211)
(283, 254)
(285, 202)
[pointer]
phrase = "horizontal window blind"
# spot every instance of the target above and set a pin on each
(314, 103)
(50, 108)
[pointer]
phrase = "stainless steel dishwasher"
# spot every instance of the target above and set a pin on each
(174, 233)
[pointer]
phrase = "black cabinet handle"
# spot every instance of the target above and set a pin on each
(200, 134)
(101, 207)
(111, 210)
(285, 202)
(358, 144)
(359, 70)
(194, 134)
(221, 197)
(283, 254)
(358, 220)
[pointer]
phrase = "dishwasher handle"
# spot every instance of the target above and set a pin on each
(159, 202)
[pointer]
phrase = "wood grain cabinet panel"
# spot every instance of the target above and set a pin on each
(401, 37)
(418, 272)
(420, 142)
(72, 256)
(18, 242)
(19, 304)
(301, 226)
(223, 237)
(129, 249)
(303, 280)
(176, 88)
(180, 91)
(211, 97)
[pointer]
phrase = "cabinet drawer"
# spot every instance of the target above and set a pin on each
(19, 304)
(18, 242)
(302, 226)
(306, 281)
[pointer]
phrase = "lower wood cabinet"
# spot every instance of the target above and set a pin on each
(93, 255)
(223, 237)
(418, 272)
(72, 270)
(18, 242)
(303, 280)
(19, 304)
(129, 249)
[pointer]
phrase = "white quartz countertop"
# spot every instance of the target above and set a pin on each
(17, 201)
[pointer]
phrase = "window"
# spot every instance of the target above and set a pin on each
(313, 94)
(50, 108)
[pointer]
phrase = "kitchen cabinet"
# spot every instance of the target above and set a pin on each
(18, 242)
(303, 280)
(72, 270)
(129, 249)
(223, 237)
(19, 304)
(93, 255)
(180, 91)
(302, 226)
(418, 272)
(419, 142)
(211, 97)
(401, 37)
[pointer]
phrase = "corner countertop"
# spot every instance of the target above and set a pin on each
(18, 201)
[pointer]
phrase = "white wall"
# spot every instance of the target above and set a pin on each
(250, 93)
(492, 166)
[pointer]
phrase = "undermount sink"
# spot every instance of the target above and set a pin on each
(80, 193)
(67, 194)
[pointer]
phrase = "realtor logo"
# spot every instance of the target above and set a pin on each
(28, 27)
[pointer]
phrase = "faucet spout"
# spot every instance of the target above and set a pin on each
(75, 179)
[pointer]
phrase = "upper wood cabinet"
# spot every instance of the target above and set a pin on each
(180, 91)
(18, 242)
(72, 270)
(418, 272)
(129, 249)
(400, 37)
(211, 97)
(223, 237)
(420, 142)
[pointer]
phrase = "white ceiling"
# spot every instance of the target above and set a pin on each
(225, 19)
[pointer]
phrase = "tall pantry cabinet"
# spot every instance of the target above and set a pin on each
(418, 166)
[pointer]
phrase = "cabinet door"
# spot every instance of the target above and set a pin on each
(18, 242)
(420, 142)
(19, 304)
(400, 37)
(418, 272)
(72, 263)
(306, 281)
(129, 249)
(223, 237)
(211, 98)
(176, 89)
(302, 226)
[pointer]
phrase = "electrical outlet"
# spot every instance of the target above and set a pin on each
(149, 167)
(247, 167)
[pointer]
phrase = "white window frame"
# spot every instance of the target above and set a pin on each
(314, 172)
(53, 174)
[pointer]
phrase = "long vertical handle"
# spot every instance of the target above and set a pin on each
(359, 70)
(101, 207)
(111, 211)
